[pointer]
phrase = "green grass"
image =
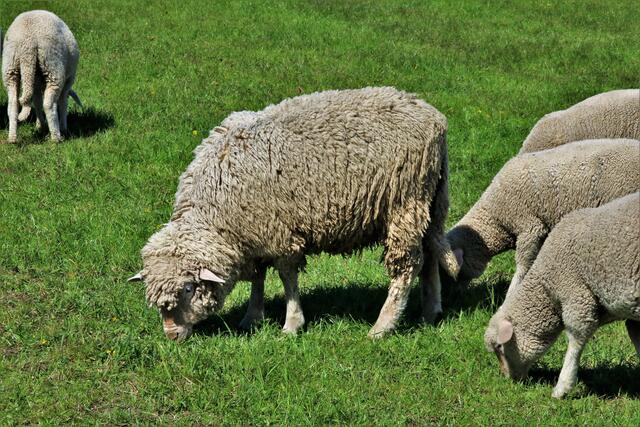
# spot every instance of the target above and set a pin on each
(79, 345)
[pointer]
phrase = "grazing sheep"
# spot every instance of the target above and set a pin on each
(533, 191)
(614, 114)
(333, 171)
(41, 54)
(587, 274)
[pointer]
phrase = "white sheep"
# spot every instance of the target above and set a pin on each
(333, 171)
(40, 54)
(533, 191)
(587, 274)
(614, 114)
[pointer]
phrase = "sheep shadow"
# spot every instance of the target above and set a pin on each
(360, 302)
(81, 123)
(605, 382)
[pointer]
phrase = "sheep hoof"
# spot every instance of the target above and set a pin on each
(292, 325)
(12, 139)
(432, 317)
(377, 331)
(559, 392)
(251, 321)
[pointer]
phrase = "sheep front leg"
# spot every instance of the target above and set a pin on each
(255, 310)
(569, 373)
(295, 319)
(12, 111)
(50, 104)
(431, 290)
(633, 328)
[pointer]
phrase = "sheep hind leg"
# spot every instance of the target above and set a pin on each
(12, 111)
(633, 329)
(63, 105)
(255, 310)
(50, 104)
(402, 270)
(431, 287)
(41, 119)
(295, 318)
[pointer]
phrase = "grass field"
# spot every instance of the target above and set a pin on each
(77, 342)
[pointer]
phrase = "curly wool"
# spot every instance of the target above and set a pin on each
(614, 114)
(533, 191)
(332, 171)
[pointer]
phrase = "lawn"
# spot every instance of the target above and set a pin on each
(78, 343)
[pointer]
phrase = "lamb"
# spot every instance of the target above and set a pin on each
(587, 274)
(40, 53)
(333, 171)
(614, 114)
(533, 191)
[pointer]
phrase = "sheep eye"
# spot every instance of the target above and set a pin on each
(188, 288)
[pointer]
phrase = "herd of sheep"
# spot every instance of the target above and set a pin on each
(338, 171)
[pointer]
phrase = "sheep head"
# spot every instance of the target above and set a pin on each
(185, 289)
(516, 345)
(470, 250)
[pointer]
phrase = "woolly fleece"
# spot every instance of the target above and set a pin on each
(614, 114)
(40, 53)
(587, 274)
(533, 191)
(333, 171)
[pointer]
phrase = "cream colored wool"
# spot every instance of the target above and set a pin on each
(614, 114)
(40, 53)
(333, 171)
(587, 274)
(533, 191)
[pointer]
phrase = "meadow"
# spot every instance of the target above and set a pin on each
(78, 343)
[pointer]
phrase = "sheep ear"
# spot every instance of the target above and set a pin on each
(135, 278)
(505, 331)
(210, 276)
(459, 253)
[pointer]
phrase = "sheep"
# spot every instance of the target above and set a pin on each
(587, 274)
(333, 171)
(40, 53)
(614, 114)
(533, 191)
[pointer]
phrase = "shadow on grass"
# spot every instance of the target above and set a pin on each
(81, 124)
(606, 382)
(360, 302)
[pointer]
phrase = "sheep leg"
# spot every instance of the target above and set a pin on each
(255, 310)
(37, 104)
(569, 373)
(527, 247)
(12, 111)
(431, 290)
(295, 318)
(50, 104)
(633, 328)
(63, 104)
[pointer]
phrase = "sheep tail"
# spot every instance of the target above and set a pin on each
(76, 98)
(435, 240)
(28, 65)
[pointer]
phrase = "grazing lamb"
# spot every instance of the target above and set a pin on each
(614, 114)
(587, 274)
(333, 171)
(41, 54)
(533, 191)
